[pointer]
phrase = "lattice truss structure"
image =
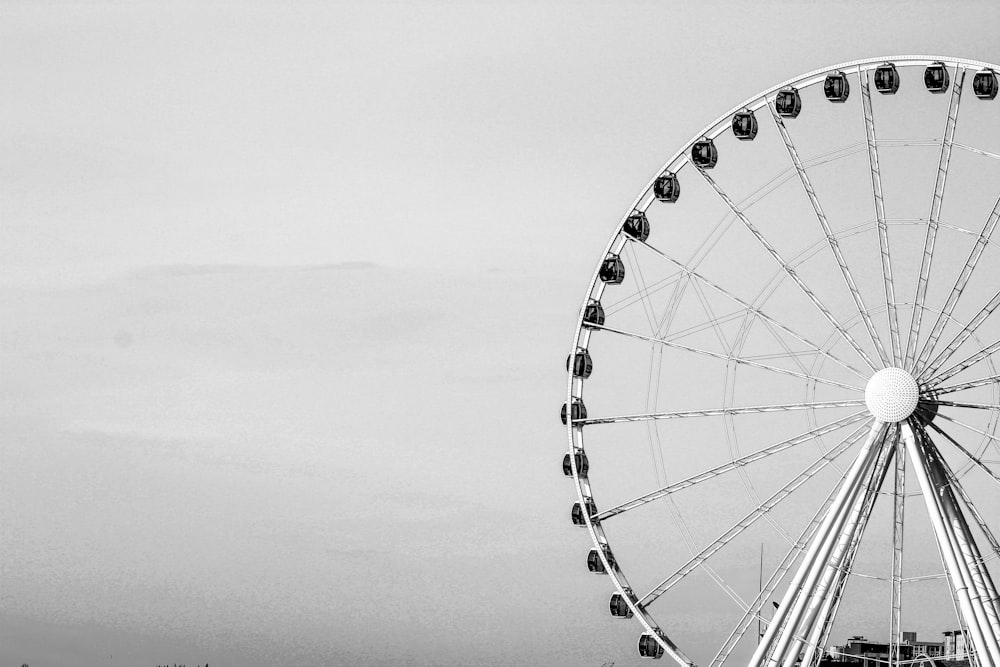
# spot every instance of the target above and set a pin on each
(785, 370)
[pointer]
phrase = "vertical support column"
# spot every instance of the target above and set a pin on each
(782, 627)
(959, 576)
(899, 506)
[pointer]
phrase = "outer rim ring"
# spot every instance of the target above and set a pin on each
(595, 290)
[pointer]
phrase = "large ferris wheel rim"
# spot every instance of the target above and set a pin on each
(596, 287)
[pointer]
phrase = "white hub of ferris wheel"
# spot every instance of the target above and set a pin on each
(891, 395)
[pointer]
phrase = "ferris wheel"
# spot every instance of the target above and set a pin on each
(784, 370)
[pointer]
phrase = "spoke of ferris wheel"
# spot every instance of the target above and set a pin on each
(974, 406)
(898, 516)
(883, 229)
(750, 518)
(960, 283)
(983, 590)
(759, 313)
(932, 223)
(788, 270)
(725, 357)
(633, 267)
(718, 412)
(954, 484)
(828, 232)
(949, 532)
(962, 365)
(992, 438)
(837, 574)
(962, 336)
(969, 455)
(805, 537)
(993, 379)
(726, 467)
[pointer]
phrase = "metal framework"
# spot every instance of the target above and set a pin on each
(798, 428)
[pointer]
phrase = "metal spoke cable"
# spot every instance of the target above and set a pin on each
(828, 232)
(974, 406)
(718, 412)
(789, 270)
(941, 179)
(726, 357)
(960, 283)
(971, 384)
(883, 229)
(751, 518)
(726, 467)
(962, 336)
(759, 313)
(968, 362)
(969, 455)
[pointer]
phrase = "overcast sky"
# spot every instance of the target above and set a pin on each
(285, 291)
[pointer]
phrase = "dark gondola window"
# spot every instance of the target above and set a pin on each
(836, 87)
(612, 270)
(637, 226)
(580, 363)
(594, 313)
(582, 464)
(788, 103)
(984, 85)
(667, 188)
(704, 154)
(936, 78)
(886, 79)
(745, 126)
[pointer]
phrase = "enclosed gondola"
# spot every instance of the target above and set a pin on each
(582, 464)
(579, 411)
(612, 270)
(577, 513)
(704, 154)
(886, 79)
(649, 647)
(788, 103)
(637, 226)
(593, 314)
(619, 606)
(667, 188)
(745, 125)
(936, 78)
(836, 87)
(580, 363)
(594, 562)
(984, 85)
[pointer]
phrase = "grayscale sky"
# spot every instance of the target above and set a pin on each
(285, 294)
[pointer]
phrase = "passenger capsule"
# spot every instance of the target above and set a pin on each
(580, 363)
(637, 226)
(582, 464)
(836, 87)
(936, 78)
(619, 606)
(745, 125)
(594, 563)
(594, 313)
(612, 270)
(579, 411)
(667, 188)
(649, 647)
(788, 103)
(985, 84)
(886, 79)
(577, 515)
(704, 154)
